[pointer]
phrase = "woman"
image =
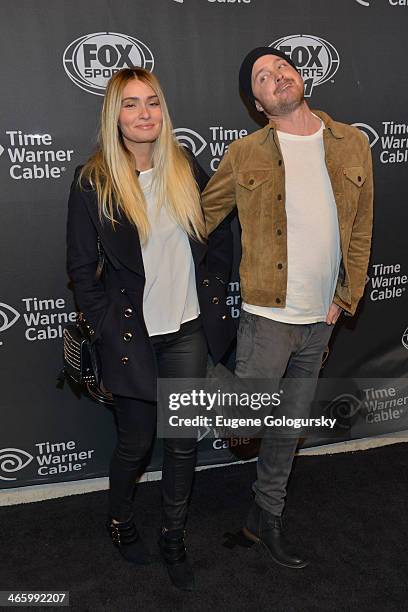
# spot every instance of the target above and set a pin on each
(159, 305)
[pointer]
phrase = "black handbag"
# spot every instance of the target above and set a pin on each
(80, 356)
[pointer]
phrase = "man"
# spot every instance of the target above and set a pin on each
(304, 192)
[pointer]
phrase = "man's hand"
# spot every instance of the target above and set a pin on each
(333, 314)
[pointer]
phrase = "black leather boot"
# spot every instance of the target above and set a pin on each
(126, 537)
(265, 528)
(173, 552)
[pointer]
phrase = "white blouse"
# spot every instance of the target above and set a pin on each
(170, 294)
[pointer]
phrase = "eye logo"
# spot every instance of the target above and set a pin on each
(368, 131)
(404, 339)
(344, 408)
(91, 60)
(315, 58)
(6, 320)
(191, 140)
(13, 460)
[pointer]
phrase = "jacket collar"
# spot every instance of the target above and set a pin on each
(334, 127)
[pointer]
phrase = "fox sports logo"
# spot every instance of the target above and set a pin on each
(91, 60)
(315, 58)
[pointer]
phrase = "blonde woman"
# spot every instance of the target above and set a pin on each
(160, 304)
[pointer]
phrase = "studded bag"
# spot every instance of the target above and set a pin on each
(80, 357)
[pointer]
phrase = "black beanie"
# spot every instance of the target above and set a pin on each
(245, 72)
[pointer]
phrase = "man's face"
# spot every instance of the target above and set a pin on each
(277, 87)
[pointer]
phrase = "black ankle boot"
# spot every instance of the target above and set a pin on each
(126, 537)
(173, 551)
(265, 528)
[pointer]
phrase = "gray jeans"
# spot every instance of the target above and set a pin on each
(274, 350)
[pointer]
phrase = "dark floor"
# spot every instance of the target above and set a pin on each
(349, 512)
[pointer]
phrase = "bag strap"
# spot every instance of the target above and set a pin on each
(101, 259)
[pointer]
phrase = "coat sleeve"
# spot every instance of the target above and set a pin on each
(218, 198)
(360, 241)
(82, 259)
(220, 241)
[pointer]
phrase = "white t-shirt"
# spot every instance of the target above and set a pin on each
(313, 241)
(170, 294)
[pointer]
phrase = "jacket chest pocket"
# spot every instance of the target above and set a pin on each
(254, 191)
(251, 180)
(353, 179)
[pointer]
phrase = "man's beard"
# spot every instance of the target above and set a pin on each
(285, 107)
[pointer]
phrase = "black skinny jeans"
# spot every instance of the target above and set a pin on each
(182, 354)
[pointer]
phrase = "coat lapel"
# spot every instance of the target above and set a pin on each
(198, 250)
(121, 244)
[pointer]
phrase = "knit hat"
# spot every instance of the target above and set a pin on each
(245, 72)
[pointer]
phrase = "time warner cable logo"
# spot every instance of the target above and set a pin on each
(368, 131)
(315, 58)
(191, 140)
(13, 460)
(8, 316)
(91, 60)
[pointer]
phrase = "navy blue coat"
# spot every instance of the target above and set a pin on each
(113, 305)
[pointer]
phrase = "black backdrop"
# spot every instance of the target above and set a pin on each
(56, 57)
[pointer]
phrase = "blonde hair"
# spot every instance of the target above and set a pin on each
(111, 170)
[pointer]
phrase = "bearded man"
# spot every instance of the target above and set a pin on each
(303, 188)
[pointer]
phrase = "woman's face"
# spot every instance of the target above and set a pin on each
(140, 118)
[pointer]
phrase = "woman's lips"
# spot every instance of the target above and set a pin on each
(145, 126)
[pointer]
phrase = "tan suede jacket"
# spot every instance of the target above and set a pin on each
(251, 176)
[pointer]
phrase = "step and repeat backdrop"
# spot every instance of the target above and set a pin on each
(57, 56)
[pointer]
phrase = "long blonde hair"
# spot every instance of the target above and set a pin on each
(111, 171)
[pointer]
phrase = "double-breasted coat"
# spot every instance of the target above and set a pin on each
(113, 305)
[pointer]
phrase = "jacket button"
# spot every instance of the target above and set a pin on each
(224, 317)
(128, 312)
(91, 332)
(205, 282)
(279, 232)
(359, 179)
(278, 301)
(123, 290)
(251, 181)
(280, 162)
(279, 196)
(215, 300)
(125, 360)
(280, 266)
(127, 336)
